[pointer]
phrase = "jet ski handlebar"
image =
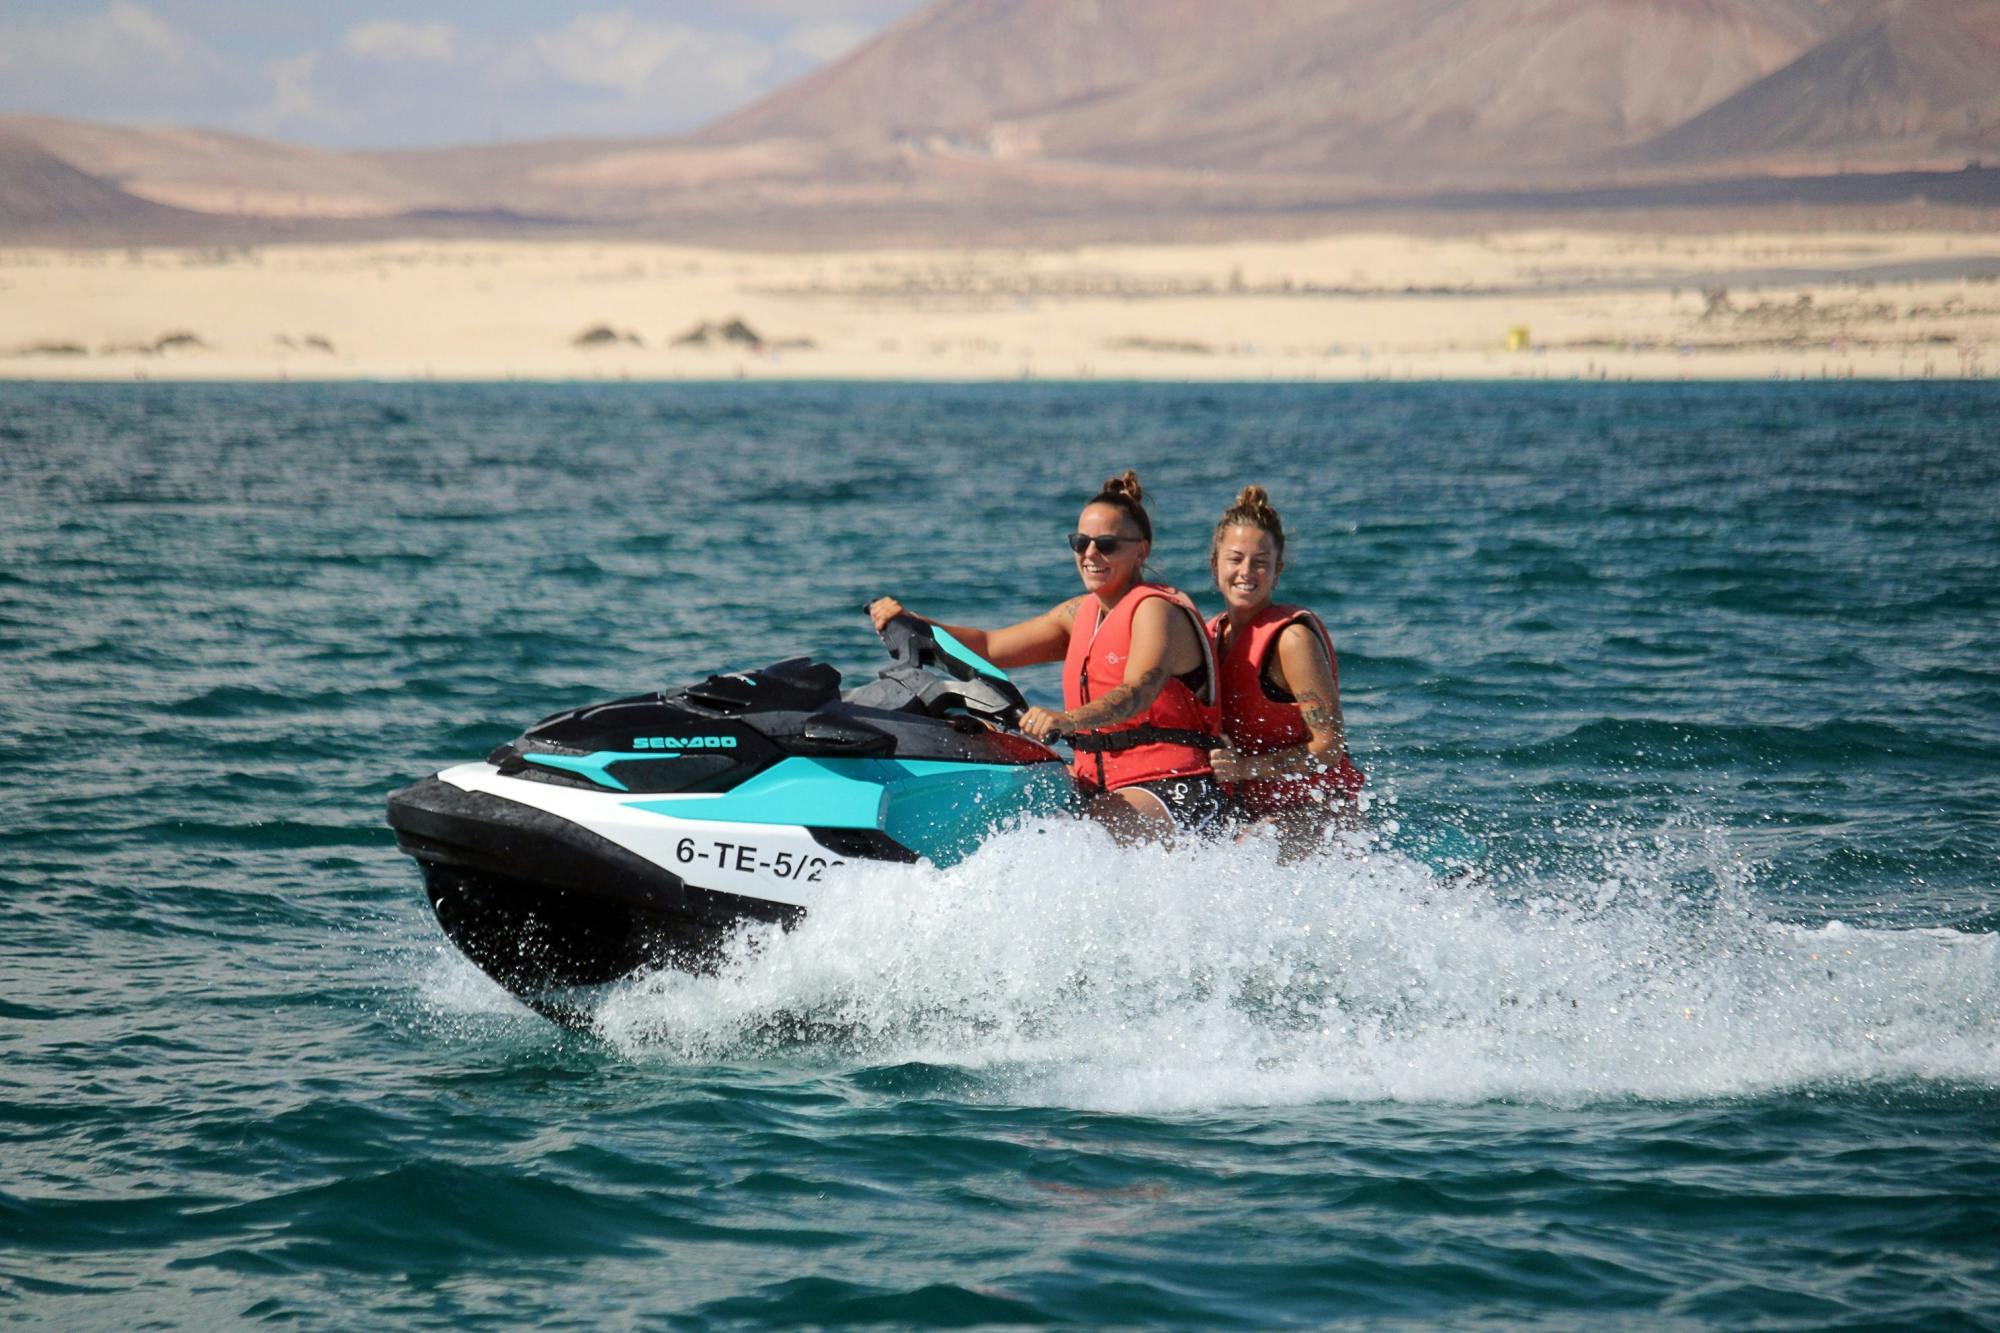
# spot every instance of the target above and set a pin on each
(961, 677)
(910, 642)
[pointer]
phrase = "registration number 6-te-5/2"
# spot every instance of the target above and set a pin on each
(752, 860)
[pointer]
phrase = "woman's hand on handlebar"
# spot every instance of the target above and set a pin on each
(883, 610)
(1229, 763)
(1044, 725)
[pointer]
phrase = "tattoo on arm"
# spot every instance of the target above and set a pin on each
(1319, 712)
(1121, 704)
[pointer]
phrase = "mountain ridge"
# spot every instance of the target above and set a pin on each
(983, 117)
(1941, 57)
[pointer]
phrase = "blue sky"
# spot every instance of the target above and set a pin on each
(417, 73)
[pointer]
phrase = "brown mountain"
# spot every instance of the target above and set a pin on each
(1395, 93)
(1392, 93)
(1105, 118)
(961, 66)
(44, 198)
(211, 172)
(1915, 82)
(1460, 91)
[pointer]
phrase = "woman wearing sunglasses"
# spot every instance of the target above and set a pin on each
(1138, 676)
(1285, 757)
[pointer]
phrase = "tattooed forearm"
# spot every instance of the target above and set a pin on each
(1121, 704)
(1321, 715)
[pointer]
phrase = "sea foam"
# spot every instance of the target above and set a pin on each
(1068, 972)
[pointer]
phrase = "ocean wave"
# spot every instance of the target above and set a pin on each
(1664, 742)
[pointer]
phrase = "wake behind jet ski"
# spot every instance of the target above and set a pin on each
(644, 831)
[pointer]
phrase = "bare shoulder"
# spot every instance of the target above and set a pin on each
(1300, 637)
(1302, 661)
(1166, 618)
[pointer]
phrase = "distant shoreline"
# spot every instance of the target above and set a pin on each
(778, 381)
(1204, 210)
(1559, 304)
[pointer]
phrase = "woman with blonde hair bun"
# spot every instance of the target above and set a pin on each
(1139, 685)
(1284, 757)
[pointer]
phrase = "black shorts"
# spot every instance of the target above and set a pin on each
(1195, 803)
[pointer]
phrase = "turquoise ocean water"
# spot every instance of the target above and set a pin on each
(1711, 674)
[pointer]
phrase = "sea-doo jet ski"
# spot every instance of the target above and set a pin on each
(644, 831)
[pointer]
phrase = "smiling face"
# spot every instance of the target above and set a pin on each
(1109, 574)
(1246, 565)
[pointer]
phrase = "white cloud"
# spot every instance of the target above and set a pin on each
(394, 42)
(871, 14)
(296, 103)
(623, 53)
(422, 73)
(123, 58)
(136, 27)
(826, 41)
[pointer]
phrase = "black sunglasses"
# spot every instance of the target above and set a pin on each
(1080, 543)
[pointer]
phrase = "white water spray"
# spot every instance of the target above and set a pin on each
(1068, 972)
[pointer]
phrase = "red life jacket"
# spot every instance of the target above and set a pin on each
(1173, 737)
(1258, 724)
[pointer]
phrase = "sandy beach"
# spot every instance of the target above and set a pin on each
(1547, 304)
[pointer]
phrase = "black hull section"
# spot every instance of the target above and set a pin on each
(532, 938)
(541, 904)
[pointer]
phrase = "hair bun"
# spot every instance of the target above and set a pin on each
(1251, 510)
(1127, 485)
(1123, 494)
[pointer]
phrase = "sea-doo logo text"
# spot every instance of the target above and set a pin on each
(683, 742)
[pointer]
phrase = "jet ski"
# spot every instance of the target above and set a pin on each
(644, 832)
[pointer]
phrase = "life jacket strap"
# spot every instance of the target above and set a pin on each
(1131, 738)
